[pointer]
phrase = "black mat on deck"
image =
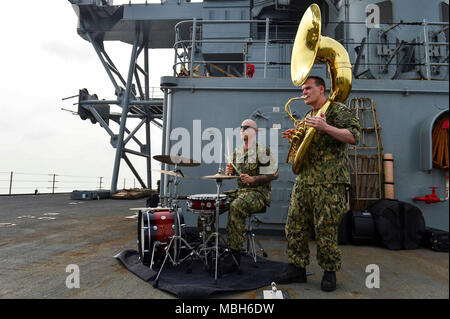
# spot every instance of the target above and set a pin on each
(200, 283)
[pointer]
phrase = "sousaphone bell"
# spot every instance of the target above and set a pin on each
(311, 47)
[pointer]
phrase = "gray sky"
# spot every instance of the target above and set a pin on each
(42, 61)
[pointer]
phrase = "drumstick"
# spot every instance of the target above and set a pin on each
(228, 149)
(231, 162)
(228, 156)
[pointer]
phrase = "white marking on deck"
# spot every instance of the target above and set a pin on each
(26, 216)
(7, 224)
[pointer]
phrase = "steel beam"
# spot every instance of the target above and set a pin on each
(147, 124)
(127, 150)
(126, 99)
(100, 120)
(130, 165)
(130, 135)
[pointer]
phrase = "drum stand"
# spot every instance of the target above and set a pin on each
(176, 239)
(205, 219)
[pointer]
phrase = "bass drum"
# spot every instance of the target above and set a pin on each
(156, 226)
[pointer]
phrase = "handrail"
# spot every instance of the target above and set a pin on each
(187, 60)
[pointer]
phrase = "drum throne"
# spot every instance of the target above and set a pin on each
(250, 238)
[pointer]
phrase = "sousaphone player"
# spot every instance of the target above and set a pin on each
(319, 195)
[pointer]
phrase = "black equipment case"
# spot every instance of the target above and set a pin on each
(90, 195)
(435, 239)
(398, 225)
(357, 228)
(363, 228)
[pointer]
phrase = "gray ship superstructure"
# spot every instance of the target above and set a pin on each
(232, 62)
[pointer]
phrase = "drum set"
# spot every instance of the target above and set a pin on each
(161, 230)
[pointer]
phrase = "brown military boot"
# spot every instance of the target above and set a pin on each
(328, 281)
(290, 274)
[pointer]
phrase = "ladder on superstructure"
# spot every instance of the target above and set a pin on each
(366, 158)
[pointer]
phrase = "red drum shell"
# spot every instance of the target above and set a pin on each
(155, 224)
(161, 225)
(206, 202)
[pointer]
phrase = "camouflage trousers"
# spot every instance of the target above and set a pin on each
(323, 206)
(242, 204)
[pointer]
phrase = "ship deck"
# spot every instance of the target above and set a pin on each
(35, 251)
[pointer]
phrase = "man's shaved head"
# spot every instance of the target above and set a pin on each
(248, 130)
(251, 123)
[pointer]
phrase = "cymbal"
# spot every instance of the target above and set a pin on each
(175, 159)
(219, 176)
(168, 172)
(172, 173)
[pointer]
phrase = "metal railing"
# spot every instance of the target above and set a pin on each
(186, 61)
(15, 183)
(427, 44)
(155, 92)
(187, 58)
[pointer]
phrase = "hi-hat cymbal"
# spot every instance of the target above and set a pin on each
(168, 172)
(172, 173)
(219, 176)
(175, 159)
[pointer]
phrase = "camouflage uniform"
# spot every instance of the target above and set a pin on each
(248, 198)
(319, 194)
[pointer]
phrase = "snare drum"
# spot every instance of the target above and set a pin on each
(206, 203)
(156, 226)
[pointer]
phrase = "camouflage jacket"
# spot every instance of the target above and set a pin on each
(326, 160)
(258, 160)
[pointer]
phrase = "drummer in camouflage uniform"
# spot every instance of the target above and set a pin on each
(319, 195)
(256, 167)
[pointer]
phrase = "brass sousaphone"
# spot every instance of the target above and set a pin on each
(311, 47)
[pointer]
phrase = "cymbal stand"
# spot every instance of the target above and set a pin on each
(206, 220)
(174, 205)
(165, 200)
(218, 183)
(176, 239)
(216, 234)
